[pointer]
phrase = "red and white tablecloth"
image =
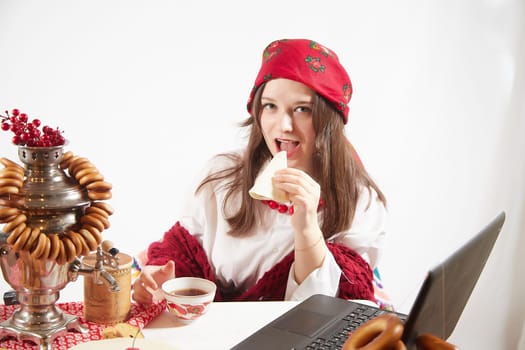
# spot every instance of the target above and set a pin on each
(139, 317)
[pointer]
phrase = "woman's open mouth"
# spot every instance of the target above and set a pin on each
(290, 146)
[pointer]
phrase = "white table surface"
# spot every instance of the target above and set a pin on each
(223, 326)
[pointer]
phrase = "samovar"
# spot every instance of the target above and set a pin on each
(53, 203)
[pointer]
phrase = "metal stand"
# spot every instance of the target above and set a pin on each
(39, 320)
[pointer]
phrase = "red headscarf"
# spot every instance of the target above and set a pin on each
(310, 63)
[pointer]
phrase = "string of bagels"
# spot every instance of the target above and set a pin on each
(62, 247)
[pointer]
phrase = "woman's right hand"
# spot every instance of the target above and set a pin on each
(146, 288)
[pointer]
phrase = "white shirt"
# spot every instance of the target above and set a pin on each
(240, 261)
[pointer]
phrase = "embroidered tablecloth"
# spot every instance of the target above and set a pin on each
(139, 317)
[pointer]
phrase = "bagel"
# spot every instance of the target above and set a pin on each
(17, 231)
(94, 232)
(69, 246)
(77, 241)
(61, 257)
(47, 248)
(35, 231)
(39, 246)
(97, 210)
(82, 163)
(91, 177)
(92, 220)
(21, 218)
(9, 190)
(22, 239)
(11, 182)
(381, 332)
(428, 341)
(85, 247)
(102, 219)
(97, 196)
(99, 186)
(8, 212)
(90, 240)
(66, 160)
(104, 206)
(85, 171)
(16, 168)
(10, 164)
(11, 173)
(7, 219)
(75, 162)
(54, 249)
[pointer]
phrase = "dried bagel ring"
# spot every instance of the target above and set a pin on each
(9, 181)
(427, 341)
(75, 162)
(104, 206)
(89, 239)
(21, 218)
(71, 250)
(9, 190)
(11, 173)
(22, 239)
(82, 166)
(77, 241)
(102, 219)
(99, 186)
(47, 248)
(55, 246)
(35, 232)
(7, 212)
(89, 178)
(97, 196)
(92, 220)
(61, 257)
(85, 250)
(96, 210)
(85, 171)
(39, 246)
(381, 332)
(10, 164)
(66, 160)
(96, 233)
(17, 231)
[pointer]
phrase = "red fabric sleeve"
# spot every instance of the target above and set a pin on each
(356, 275)
(185, 250)
(191, 260)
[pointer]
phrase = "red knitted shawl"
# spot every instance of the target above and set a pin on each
(191, 260)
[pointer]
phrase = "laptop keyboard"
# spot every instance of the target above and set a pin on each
(346, 327)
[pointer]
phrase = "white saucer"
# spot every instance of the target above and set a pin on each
(122, 344)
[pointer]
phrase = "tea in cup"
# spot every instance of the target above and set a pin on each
(188, 298)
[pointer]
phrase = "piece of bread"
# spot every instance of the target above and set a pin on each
(263, 188)
(122, 330)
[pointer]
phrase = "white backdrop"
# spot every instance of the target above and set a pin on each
(149, 90)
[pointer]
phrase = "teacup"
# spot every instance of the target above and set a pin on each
(188, 298)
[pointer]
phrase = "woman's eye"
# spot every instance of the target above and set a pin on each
(303, 109)
(268, 106)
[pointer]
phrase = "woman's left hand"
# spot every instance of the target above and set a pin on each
(304, 193)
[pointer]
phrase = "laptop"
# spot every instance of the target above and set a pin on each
(325, 322)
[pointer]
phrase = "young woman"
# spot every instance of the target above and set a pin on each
(327, 239)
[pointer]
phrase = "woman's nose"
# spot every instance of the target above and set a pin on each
(286, 122)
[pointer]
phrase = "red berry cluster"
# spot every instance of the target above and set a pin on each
(27, 133)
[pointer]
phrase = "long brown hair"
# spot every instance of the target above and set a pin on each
(336, 168)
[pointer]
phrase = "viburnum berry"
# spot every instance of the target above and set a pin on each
(27, 133)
